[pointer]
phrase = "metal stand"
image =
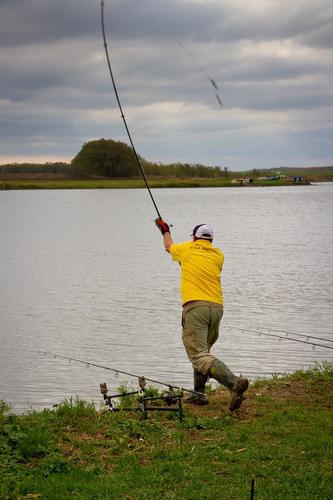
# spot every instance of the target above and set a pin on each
(172, 402)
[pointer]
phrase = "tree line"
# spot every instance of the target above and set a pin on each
(38, 168)
(109, 158)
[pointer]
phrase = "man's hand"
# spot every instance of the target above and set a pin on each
(162, 226)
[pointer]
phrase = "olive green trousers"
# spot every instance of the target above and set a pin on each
(201, 321)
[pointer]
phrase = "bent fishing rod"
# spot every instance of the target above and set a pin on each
(87, 363)
(122, 113)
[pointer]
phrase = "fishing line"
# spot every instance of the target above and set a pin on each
(212, 81)
(121, 111)
(117, 372)
(198, 65)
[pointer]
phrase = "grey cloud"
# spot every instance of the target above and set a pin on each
(34, 127)
(322, 37)
(222, 22)
(52, 59)
(272, 68)
(31, 71)
(36, 21)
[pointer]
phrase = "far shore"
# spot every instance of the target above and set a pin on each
(13, 182)
(60, 176)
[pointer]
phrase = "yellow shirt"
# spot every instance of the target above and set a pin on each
(201, 267)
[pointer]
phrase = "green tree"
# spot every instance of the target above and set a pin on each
(105, 157)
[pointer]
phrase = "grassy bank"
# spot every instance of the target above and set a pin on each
(10, 184)
(282, 437)
(107, 183)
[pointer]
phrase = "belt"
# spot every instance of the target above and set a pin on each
(199, 303)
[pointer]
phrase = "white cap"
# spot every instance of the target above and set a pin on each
(203, 232)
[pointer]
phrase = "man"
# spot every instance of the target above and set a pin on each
(202, 299)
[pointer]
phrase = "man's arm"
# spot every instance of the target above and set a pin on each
(168, 241)
(165, 230)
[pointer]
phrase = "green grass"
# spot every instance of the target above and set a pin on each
(282, 437)
(123, 183)
(111, 183)
(62, 179)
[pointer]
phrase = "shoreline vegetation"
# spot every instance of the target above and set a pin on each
(59, 182)
(109, 164)
(281, 438)
(60, 176)
(19, 184)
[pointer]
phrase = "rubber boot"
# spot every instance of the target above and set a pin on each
(220, 372)
(237, 394)
(237, 385)
(199, 386)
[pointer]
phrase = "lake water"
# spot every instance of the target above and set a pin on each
(84, 274)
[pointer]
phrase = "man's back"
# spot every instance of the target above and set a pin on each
(201, 266)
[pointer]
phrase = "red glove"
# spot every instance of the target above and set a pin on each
(162, 226)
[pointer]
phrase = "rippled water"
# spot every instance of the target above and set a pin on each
(84, 274)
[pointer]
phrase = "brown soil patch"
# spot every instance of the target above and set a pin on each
(303, 392)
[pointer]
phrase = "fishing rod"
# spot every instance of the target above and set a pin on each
(313, 344)
(87, 363)
(297, 334)
(122, 113)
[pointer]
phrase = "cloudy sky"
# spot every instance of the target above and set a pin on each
(272, 61)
